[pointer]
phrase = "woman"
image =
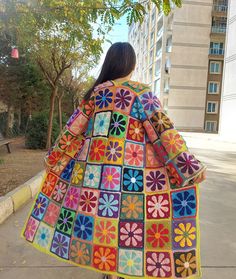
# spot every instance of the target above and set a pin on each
(120, 193)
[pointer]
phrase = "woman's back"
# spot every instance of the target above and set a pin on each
(119, 195)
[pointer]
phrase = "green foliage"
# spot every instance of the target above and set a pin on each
(36, 134)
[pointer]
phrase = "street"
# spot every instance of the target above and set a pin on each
(217, 221)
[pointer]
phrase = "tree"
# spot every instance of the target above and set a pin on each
(60, 34)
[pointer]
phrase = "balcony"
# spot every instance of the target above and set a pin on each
(218, 29)
(216, 51)
(220, 8)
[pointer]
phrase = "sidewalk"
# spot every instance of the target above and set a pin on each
(217, 220)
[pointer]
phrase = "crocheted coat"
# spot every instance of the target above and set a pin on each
(118, 195)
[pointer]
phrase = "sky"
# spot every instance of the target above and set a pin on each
(119, 33)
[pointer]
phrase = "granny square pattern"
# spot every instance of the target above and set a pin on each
(119, 193)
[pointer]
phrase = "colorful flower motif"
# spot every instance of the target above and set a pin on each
(158, 264)
(92, 176)
(158, 206)
(133, 180)
(137, 110)
(158, 235)
(108, 205)
(187, 164)
(40, 206)
(185, 263)
(160, 152)
(101, 123)
(156, 181)
(82, 155)
(152, 158)
(111, 177)
(103, 85)
(114, 151)
(174, 177)
(89, 130)
(184, 234)
(73, 116)
(65, 221)
(61, 164)
(105, 232)
(123, 99)
(68, 142)
(43, 236)
(118, 124)
(49, 184)
(53, 157)
(173, 142)
(79, 124)
(88, 106)
(51, 214)
(59, 191)
(83, 227)
(104, 258)
(67, 172)
(132, 207)
(72, 198)
(161, 122)
(88, 201)
(31, 228)
(80, 252)
(104, 98)
(135, 130)
(150, 131)
(60, 245)
(97, 149)
(134, 154)
(150, 102)
(78, 173)
(184, 203)
(130, 262)
(131, 234)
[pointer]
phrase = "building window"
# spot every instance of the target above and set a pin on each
(158, 67)
(216, 48)
(215, 67)
(213, 87)
(157, 86)
(210, 126)
(152, 38)
(169, 44)
(212, 107)
(151, 57)
(150, 75)
(159, 47)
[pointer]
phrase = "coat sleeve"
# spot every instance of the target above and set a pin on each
(72, 137)
(171, 149)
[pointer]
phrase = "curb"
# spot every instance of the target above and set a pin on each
(15, 199)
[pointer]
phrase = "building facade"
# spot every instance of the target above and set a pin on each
(228, 100)
(176, 56)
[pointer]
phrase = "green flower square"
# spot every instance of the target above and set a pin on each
(65, 221)
(80, 252)
(132, 206)
(78, 173)
(158, 235)
(118, 125)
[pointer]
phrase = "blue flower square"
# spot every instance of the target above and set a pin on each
(67, 172)
(132, 180)
(184, 203)
(60, 245)
(40, 206)
(109, 204)
(83, 227)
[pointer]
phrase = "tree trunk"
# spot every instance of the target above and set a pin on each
(60, 112)
(52, 105)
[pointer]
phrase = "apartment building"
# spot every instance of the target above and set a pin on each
(228, 99)
(179, 56)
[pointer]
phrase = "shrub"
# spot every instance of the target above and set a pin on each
(36, 133)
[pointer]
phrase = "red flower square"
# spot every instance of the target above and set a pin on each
(88, 201)
(49, 184)
(52, 214)
(131, 234)
(158, 264)
(135, 130)
(158, 206)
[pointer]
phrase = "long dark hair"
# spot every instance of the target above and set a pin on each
(120, 61)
